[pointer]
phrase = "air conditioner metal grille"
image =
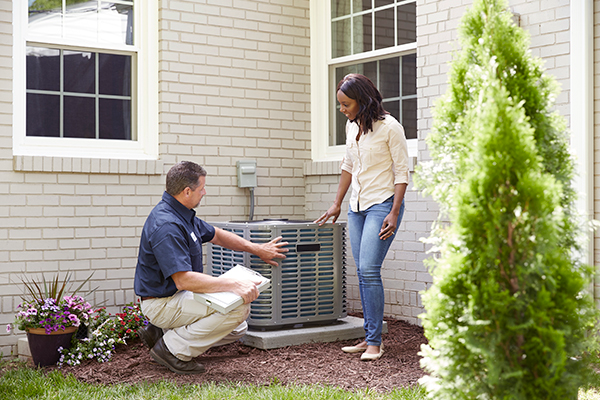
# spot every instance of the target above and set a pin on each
(308, 286)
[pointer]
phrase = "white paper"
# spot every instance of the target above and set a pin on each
(224, 302)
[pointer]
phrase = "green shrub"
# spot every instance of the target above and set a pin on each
(508, 315)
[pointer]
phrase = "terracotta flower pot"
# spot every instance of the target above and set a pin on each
(44, 347)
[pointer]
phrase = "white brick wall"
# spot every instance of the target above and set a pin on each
(234, 84)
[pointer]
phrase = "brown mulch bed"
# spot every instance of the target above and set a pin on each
(313, 363)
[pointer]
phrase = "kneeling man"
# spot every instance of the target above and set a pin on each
(169, 271)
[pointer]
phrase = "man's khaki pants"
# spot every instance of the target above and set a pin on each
(190, 327)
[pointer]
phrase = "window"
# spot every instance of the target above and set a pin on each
(77, 68)
(396, 80)
(376, 38)
(78, 94)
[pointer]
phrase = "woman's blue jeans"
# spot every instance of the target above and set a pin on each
(369, 251)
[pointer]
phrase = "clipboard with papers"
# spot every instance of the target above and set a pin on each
(224, 302)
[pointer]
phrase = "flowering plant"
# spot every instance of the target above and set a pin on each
(45, 306)
(52, 314)
(105, 333)
(99, 345)
(130, 320)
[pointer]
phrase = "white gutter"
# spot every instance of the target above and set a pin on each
(582, 112)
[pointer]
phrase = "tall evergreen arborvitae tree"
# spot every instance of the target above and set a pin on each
(507, 316)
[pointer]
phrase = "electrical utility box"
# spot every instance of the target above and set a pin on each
(308, 286)
(246, 173)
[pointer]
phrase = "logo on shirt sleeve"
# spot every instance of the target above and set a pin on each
(193, 236)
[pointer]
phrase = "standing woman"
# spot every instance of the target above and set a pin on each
(376, 166)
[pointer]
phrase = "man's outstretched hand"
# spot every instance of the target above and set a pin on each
(272, 250)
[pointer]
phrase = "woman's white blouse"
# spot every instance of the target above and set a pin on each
(377, 162)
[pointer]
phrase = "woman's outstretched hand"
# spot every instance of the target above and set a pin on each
(334, 211)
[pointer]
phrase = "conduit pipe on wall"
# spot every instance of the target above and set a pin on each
(582, 111)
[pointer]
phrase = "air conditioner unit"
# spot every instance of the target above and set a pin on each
(308, 286)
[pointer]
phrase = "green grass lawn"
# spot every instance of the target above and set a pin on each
(18, 381)
(21, 382)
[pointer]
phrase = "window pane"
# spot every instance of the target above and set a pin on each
(363, 33)
(409, 118)
(341, 36)
(340, 128)
(393, 25)
(393, 107)
(370, 71)
(390, 77)
(43, 68)
(339, 8)
(409, 75)
(79, 72)
(380, 3)
(80, 121)
(384, 29)
(81, 20)
(116, 23)
(74, 93)
(115, 119)
(86, 20)
(385, 74)
(361, 5)
(407, 23)
(340, 73)
(115, 74)
(45, 7)
(367, 69)
(45, 18)
(43, 115)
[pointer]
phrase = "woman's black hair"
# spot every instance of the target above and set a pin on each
(360, 88)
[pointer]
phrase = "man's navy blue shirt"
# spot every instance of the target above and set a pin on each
(171, 242)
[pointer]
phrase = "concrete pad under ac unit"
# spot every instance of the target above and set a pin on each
(343, 329)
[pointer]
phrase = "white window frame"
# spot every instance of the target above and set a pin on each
(144, 85)
(323, 87)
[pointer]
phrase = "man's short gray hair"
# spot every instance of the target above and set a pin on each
(183, 174)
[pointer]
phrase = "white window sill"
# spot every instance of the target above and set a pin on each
(87, 165)
(312, 168)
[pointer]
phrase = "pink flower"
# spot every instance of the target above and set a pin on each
(8, 328)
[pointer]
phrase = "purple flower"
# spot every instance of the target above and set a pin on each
(8, 328)
(52, 314)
